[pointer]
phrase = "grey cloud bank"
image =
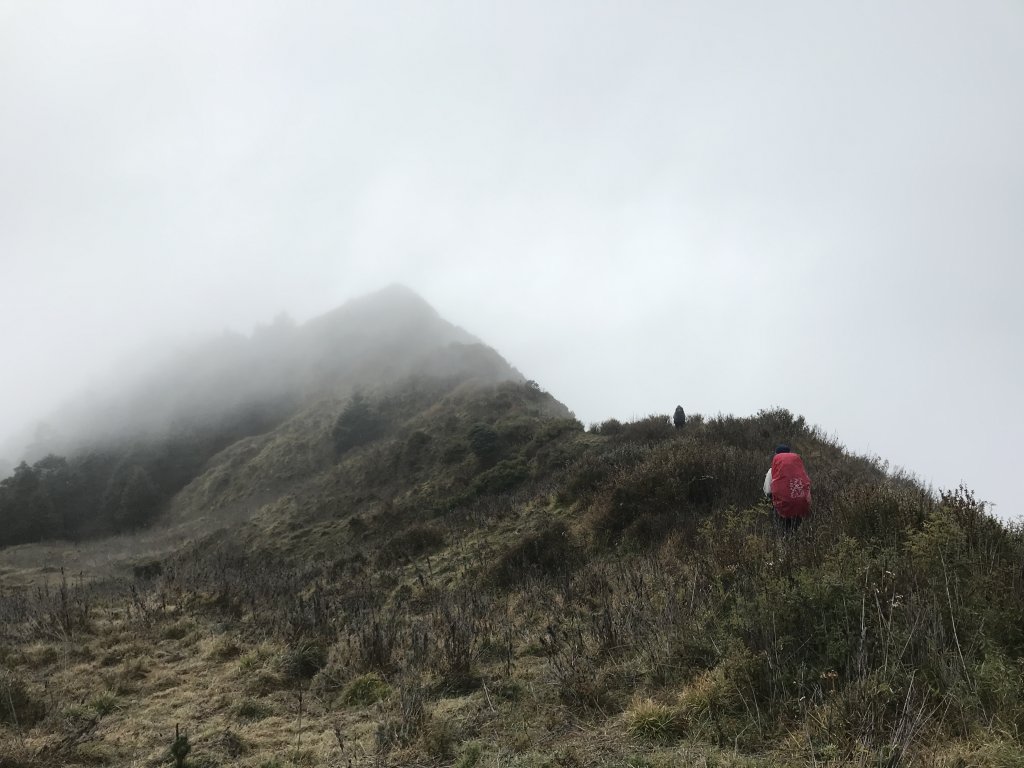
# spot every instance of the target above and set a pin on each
(728, 206)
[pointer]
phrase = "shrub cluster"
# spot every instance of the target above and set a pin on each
(644, 584)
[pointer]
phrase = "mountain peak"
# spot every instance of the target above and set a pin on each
(390, 309)
(393, 296)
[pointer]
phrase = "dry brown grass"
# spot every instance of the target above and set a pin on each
(419, 624)
(138, 676)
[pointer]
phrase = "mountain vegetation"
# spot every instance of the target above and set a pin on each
(116, 462)
(437, 564)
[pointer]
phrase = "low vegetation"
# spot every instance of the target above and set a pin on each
(478, 581)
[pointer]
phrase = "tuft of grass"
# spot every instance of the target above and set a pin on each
(103, 703)
(651, 720)
(39, 654)
(178, 630)
(365, 690)
(252, 709)
(302, 660)
(471, 754)
(263, 682)
(257, 658)
(260, 671)
(231, 744)
(439, 738)
(223, 648)
(400, 727)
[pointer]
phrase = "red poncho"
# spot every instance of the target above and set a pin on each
(791, 487)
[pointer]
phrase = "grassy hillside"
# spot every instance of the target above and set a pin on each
(452, 572)
(116, 463)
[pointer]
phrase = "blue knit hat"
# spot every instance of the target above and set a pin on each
(782, 448)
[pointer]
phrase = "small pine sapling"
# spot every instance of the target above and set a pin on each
(180, 748)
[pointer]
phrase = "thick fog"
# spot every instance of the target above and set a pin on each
(727, 206)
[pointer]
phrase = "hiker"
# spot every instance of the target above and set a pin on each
(679, 417)
(788, 488)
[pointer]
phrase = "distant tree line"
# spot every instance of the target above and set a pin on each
(114, 488)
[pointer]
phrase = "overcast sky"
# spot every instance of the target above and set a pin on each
(724, 205)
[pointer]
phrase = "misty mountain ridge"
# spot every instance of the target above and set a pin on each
(438, 565)
(267, 375)
(114, 460)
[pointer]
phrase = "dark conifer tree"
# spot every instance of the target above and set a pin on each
(358, 424)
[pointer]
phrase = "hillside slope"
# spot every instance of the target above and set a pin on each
(446, 569)
(115, 463)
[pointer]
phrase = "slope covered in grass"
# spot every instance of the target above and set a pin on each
(114, 463)
(459, 574)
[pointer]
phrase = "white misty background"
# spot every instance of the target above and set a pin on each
(723, 206)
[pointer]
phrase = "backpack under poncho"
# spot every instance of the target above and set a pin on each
(791, 487)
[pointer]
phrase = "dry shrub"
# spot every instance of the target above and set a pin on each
(582, 479)
(879, 514)
(440, 737)
(502, 477)
(415, 541)
(403, 724)
(881, 714)
(655, 427)
(724, 704)
(373, 641)
(672, 486)
(18, 706)
(581, 682)
(548, 552)
(458, 627)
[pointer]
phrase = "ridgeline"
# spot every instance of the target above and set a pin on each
(395, 550)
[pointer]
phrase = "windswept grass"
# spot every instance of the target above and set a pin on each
(621, 598)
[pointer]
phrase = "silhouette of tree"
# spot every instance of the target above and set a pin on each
(131, 499)
(357, 425)
(484, 443)
(26, 511)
